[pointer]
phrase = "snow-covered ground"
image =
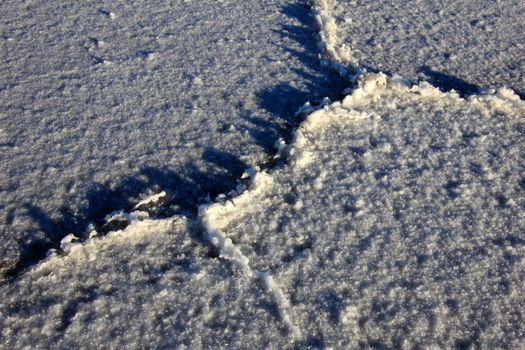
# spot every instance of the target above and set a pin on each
(393, 218)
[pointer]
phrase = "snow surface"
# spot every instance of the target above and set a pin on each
(149, 286)
(393, 219)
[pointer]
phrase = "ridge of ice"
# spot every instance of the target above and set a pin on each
(135, 230)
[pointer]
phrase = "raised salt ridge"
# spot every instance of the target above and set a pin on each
(399, 220)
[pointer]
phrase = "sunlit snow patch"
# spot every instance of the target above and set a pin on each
(150, 200)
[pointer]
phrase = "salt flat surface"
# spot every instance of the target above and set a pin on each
(393, 218)
(465, 45)
(103, 103)
(395, 222)
(149, 286)
(399, 222)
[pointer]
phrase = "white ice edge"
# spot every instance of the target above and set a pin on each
(338, 55)
(135, 230)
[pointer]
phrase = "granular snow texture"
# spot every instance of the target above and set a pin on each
(149, 286)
